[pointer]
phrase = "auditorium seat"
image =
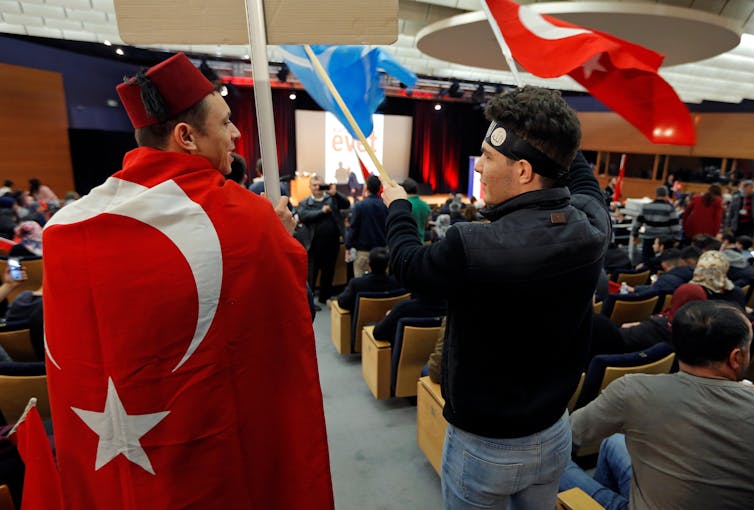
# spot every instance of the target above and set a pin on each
(605, 368)
(628, 308)
(393, 371)
(18, 383)
(576, 499)
(18, 345)
(430, 423)
(371, 307)
(633, 279)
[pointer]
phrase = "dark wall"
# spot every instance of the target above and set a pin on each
(97, 155)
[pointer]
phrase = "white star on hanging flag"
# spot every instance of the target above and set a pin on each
(593, 64)
(118, 431)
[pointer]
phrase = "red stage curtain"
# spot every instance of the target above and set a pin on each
(242, 105)
(435, 148)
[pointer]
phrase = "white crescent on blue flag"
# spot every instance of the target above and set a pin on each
(355, 72)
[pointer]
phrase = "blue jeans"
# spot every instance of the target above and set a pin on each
(519, 474)
(611, 484)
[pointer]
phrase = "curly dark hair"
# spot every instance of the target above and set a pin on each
(542, 118)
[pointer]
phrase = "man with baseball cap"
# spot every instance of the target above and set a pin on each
(519, 292)
(180, 351)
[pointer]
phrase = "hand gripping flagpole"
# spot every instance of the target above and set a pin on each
(351, 121)
(503, 45)
(263, 98)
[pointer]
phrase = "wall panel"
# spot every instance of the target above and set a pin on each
(34, 128)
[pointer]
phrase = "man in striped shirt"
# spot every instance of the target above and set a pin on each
(659, 220)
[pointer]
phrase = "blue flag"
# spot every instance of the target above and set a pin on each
(354, 70)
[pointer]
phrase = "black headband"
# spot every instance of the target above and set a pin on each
(507, 143)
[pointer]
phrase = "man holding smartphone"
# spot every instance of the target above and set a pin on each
(320, 214)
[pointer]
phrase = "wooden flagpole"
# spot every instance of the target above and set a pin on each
(503, 45)
(351, 121)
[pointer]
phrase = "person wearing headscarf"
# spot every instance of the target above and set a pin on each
(711, 272)
(29, 237)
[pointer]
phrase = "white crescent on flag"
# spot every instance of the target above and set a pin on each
(536, 24)
(195, 237)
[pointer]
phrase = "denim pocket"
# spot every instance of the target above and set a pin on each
(485, 482)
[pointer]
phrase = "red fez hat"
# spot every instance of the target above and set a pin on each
(163, 91)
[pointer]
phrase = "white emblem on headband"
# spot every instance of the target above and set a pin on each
(498, 136)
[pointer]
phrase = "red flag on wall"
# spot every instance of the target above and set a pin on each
(41, 479)
(619, 182)
(620, 74)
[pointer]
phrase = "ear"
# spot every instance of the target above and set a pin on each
(183, 137)
(736, 360)
(526, 173)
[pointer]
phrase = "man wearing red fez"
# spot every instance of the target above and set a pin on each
(180, 352)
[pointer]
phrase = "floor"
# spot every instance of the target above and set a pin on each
(375, 461)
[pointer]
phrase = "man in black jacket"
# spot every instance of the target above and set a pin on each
(519, 293)
(320, 214)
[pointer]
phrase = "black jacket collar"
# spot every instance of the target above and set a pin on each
(542, 198)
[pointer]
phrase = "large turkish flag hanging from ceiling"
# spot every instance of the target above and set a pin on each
(620, 74)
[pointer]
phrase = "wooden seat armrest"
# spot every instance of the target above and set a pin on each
(368, 333)
(334, 304)
(576, 499)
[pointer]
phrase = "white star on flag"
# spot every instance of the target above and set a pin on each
(118, 431)
(593, 64)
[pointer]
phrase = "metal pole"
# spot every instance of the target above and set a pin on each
(263, 97)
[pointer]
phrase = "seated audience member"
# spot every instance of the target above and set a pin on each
(456, 214)
(603, 287)
(743, 244)
(420, 305)
(442, 224)
(675, 273)
(8, 217)
(609, 338)
(257, 184)
(690, 255)
(706, 242)
(434, 365)
(728, 241)
(616, 260)
(376, 280)
(22, 306)
(709, 280)
(654, 264)
(711, 272)
(29, 236)
(238, 170)
(741, 273)
(683, 440)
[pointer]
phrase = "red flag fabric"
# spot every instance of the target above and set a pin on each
(620, 74)
(41, 480)
(364, 170)
(619, 182)
(180, 351)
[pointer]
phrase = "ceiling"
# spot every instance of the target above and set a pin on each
(727, 77)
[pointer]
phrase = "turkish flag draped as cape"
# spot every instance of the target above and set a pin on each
(41, 479)
(622, 75)
(180, 351)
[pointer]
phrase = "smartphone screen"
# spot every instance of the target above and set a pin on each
(15, 269)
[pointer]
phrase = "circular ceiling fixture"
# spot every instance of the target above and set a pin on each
(683, 35)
